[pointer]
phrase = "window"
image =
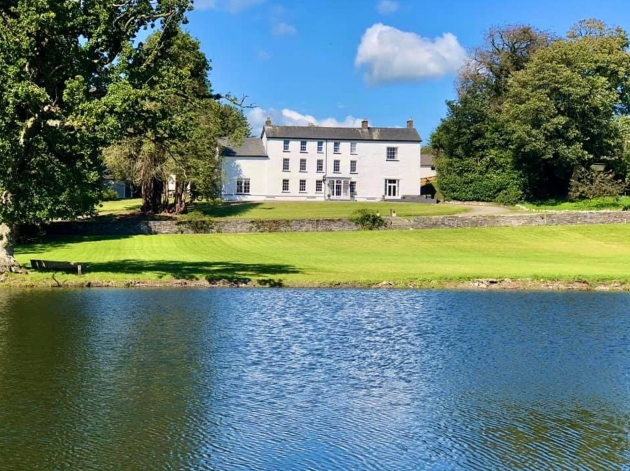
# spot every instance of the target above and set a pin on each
(320, 147)
(242, 186)
(285, 165)
(319, 186)
(353, 147)
(336, 166)
(353, 188)
(392, 153)
(337, 147)
(353, 166)
(302, 186)
(302, 146)
(285, 186)
(286, 146)
(302, 165)
(391, 188)
(320, 166)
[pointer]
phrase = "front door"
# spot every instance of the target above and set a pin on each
(338, 189)
(391, 188)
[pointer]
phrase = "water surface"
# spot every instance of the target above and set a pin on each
(313, 379)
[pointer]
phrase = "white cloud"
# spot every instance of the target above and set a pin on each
(386, 7)
(233, 6)
(263, 55)
(286, 117)
(282, 28)
(391, 55)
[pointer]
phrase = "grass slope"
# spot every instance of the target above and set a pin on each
(292, 209)
(594, 253)
(607, 203)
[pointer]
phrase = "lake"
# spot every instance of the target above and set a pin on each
(266, 379)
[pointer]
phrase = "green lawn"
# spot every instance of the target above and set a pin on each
(595, 253)
(595, 204)
(118, 207)
(292, 210)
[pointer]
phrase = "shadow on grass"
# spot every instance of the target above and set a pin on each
(241, 273)
(224, 210)
(50, 243)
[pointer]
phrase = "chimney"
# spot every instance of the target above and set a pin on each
(410, 123)
(268, 122)
(364, 124)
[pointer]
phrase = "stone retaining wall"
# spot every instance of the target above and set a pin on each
(170, 227)
(336, 225)
(565, 218)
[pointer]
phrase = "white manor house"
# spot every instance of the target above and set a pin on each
(320, 163)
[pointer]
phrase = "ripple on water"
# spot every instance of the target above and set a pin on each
(314, 379)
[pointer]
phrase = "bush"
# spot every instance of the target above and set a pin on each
(367, 219)
(589, 184)
(510, 196)
(196, 222)
(109, 194)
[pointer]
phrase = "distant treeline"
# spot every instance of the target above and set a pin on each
(539, 116)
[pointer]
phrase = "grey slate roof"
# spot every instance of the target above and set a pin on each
(251, 147)
(345, 134)
(426, 160)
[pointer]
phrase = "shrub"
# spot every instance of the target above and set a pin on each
(510, 196)
(589, 183)
(367, 219)
(196, 222)
(109, 194)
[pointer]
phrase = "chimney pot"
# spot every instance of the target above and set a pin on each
(410, 123)
(268, 122)
(364, 124)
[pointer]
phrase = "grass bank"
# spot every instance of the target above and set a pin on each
(586, 255)
(292, 209)
(609, 203)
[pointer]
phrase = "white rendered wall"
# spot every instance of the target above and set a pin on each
(426, 172)
(373, 168)
(254, 168)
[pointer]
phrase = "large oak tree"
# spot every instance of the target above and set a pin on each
(64, 94)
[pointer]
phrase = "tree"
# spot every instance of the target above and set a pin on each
(563, 110)
(63, 92)
(182, 120)
(197, 163)
(471, 155)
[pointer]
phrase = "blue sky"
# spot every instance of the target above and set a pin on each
(333, 62)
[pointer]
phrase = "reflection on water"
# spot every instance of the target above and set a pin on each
(313, 379)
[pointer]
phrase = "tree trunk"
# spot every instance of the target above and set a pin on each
(153, 196)
(180, 197)
(7, 241)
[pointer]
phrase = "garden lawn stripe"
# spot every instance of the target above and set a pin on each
(566, 253)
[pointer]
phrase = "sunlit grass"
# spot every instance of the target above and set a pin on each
(292, 209)
(301, 259)
(595, 204)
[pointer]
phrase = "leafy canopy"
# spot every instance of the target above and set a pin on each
(64, 93)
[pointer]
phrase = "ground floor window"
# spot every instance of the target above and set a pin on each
(391, 188)
(353, 188)
(242, 186)
(302, 186)
(319, 186)
(285, 186)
